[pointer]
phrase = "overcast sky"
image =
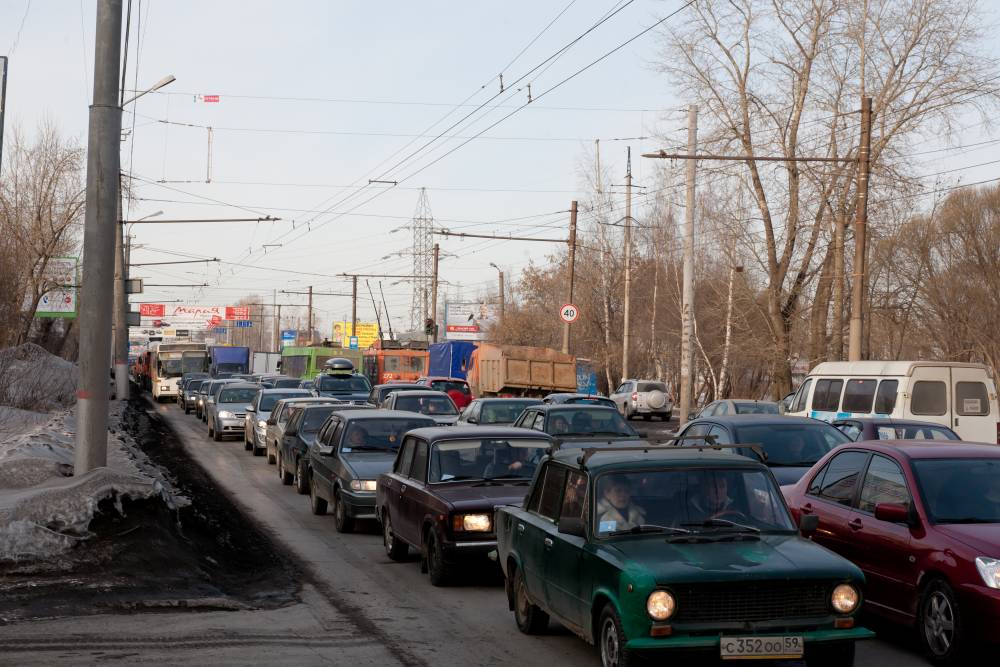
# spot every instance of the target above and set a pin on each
(316, 97)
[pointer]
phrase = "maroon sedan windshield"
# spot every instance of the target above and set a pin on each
(960, 490)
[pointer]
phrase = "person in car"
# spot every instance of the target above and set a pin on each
(712, 499)
(357, 437)
(582, 423)
(514, 461)
(615, 509)
(559, 425)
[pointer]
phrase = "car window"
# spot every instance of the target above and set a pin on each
(721, 409)
(756, 408)
(929, 397)
(552, 492)
(652, 386)
(405, 458)
(858, 395)
(792, 444)
(428, 405)
(449, 385)
(379, 433)
(960, 491)
(885, 397)
(418, 470)
(503, 412)
(324, 433)
(841, 478)
(851, 429)
(342, 384)
(574, 502)
(622, 388)
(817, 482)
(722, 436)
(314, 418)
(799, 403)
(971, 398)
(539, 423)
(708, 410)
(700, 428)
(826, 398)
(237, 395)
(485, 458)
(583, 421)
(884, 483)
(268, 401)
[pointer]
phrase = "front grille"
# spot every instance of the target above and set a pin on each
(750, 603)
(241, 415)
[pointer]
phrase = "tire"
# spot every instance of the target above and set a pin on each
(436, 567)
(531, 620)
(343, 523)
(257, 451)
(836, 654)
(187, 409)
(939, 624)
(271, 458)
(302, 485)
(316, 504)
(247, 445)
(216, 435)
(286, 477)
(395, 549)
(611, 640)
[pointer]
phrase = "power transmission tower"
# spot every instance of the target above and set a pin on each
(423, 260)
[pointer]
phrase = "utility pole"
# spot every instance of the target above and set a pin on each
(103, 136)
(434, 293)
(276, 313)
(626, 335)
(354, 305)
(277, 330)
(687, 301)
(572, 270)
(3, 103)
(503, 299)
(856, 331)
(120, 308)
(310, 315)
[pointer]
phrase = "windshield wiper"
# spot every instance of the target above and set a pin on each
(367, 448)
(504, 477)
(462, 478)
(649, 528)
(724, 523)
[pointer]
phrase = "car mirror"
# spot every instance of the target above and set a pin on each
(808, 523)
(572, 526)
(893, 512)
(472, 420)
(324, 450)
(250, 408)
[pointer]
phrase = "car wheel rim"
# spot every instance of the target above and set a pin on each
(939, 623)
(341, 512)
(609, 644)
(387, 538)
(522, 603)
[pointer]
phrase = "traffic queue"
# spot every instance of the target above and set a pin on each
(756, 531)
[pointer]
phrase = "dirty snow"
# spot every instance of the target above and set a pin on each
(44, 510)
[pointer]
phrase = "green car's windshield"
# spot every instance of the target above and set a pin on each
(714, 499)
(960, 490)
(508, 458)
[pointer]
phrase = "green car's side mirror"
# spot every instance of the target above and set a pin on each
(808, 523)
(572, 526)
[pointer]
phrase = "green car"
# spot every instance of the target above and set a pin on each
(674, 549)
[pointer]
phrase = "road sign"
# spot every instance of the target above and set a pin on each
(243, 324)
(237, 312)
(220, 330)
(353, 342)
(569, 313)
(209, 98)
(288, 336)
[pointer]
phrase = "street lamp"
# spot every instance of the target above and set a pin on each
(502, 296)
(168, 79)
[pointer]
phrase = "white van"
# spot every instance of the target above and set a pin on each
(961, 396)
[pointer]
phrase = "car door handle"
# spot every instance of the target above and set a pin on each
(807, 508)
(856, 524)
(402, 488)
(547, 542)
(520, 527)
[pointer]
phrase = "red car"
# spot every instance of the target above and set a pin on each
(922, 521)
(456, 388)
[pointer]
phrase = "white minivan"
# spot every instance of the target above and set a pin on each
(961, 396)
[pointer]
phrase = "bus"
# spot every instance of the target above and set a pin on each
(386, 362)
(307, 362)
(169, 361)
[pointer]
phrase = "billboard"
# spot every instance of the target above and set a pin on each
(151, 309)
(190, 316)
(342, 333)
(468, 321)
(61, 300)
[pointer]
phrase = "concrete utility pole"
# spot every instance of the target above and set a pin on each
(860, 283)
(310, 315)
(501, 293)
(103, 136)
(3, 103)
(354, 305)
(434, 292)
(277, 330)
(276, 313)
(572, 270)
(687, 301)
(626, 335)
(120, 308)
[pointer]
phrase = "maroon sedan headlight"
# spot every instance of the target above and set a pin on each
(989, 570)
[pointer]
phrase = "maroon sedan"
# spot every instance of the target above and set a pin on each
(922, 520)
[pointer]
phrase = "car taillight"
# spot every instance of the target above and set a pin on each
(635, 396)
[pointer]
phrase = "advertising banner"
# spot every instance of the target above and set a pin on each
(367, 334)
(60, 301)
(237, 312)
(190, 316)
(151, 309)
(468, 321)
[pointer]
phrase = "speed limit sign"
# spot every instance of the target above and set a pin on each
(569, 313)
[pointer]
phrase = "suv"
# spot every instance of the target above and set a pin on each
(645, 398)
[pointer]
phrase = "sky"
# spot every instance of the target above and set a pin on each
(317, 97)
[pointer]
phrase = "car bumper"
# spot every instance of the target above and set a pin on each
(230, 426)
(641, 410)
(359, 506)
(712, 642)
(468, 550)
(981, 608)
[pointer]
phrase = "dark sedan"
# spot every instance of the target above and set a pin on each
(922, 521)
(886, 428)
(299, 434)
(580, 399)
(380, 391)
(352, 449)
(791, 444)
(442, 490)
(495, 411)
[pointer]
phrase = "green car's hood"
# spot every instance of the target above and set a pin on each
(771, 557)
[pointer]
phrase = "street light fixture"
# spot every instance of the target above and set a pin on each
(168, 79)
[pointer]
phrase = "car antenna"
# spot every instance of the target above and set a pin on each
(386, 307)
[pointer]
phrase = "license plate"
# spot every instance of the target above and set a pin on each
(769, 648)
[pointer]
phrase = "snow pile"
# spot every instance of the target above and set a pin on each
(33, 379)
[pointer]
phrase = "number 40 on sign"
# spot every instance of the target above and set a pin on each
(569, 313)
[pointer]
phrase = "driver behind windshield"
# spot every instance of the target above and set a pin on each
(357, 437)
(559, 425)
(615, 509)
(711, 498)
(510, 462)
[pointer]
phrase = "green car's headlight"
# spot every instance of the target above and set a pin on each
(845, 598)
(660, 605)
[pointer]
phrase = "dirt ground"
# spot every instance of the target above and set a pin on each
(149, 557)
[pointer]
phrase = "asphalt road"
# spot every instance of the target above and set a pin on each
(361, 608)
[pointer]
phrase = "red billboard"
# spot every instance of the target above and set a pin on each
(151, 310)
(237, 312)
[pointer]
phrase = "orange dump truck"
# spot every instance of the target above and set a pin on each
(516, 370)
